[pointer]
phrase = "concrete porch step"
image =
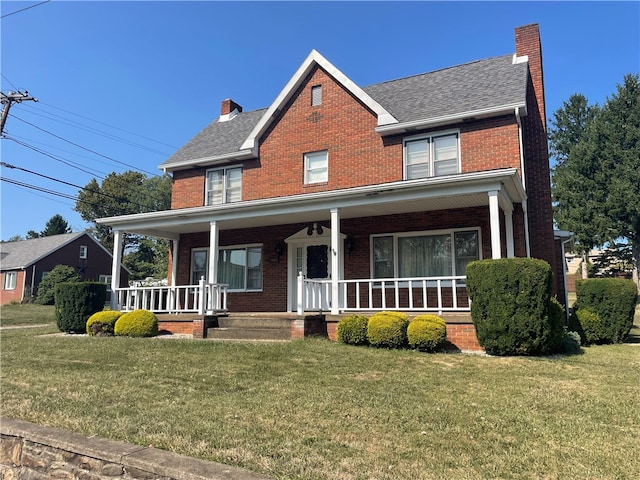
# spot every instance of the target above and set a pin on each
(251, 327)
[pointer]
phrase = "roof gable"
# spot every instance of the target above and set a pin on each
(18, 255)
(314, 59)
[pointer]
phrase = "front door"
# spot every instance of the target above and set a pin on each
(309, 255)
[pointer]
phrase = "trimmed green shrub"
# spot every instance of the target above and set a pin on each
(352, 330)
(102, 323)
(426, 332)
(588, 325)
(75, 302)
(59, 274)
(571, 343)
(613, 300)
(511, 306)
(139, 323)
(388, 330)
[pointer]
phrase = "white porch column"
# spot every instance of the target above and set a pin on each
(494, 219)
(174, 263)
(508, 225)
(213, 252)
(335, 261)
(115, 269)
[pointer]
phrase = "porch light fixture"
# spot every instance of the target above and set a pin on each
(316, 227)
(280, 246)
(349, 245)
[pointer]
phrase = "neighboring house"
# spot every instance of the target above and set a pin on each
(25, 263)
(340, 198)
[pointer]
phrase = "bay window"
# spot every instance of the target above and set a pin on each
(424, 254)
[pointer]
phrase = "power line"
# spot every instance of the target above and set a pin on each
(83, 148)
(9, 81)
(25, 8)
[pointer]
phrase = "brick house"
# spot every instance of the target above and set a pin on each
(25, 263)
(339, 198)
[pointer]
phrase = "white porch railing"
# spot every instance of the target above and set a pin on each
(204, 298)
(437, 294)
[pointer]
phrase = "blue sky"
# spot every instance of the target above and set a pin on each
(122, 85)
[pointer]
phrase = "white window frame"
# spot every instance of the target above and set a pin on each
(430, 139)
(83, 251)
(425, 233)
(316, 95)
(9, 280)
(194, 281)
(105, 279)
(227, 191)
(322, 155)
(246, 248)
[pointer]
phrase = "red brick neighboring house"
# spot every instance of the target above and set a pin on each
(339, 198)
(25, 263)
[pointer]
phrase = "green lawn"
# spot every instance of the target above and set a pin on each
(313, 409)
(26, 314)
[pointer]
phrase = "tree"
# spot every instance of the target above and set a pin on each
(597, 187)
(122, 194)
(150, 259)
(59, 274)
(569, 127)
(56, 226)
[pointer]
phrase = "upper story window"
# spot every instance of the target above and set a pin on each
(224, 185)
(431, 156)
(83, 251)
(424, 254)
(316, 95)
(316, 167)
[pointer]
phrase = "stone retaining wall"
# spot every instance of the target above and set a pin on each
(33, 452)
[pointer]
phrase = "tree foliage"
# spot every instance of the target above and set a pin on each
(597, 186)
(59, 274)
(56, 225)
(124, 194)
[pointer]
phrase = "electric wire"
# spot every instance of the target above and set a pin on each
(82, 147)
(25, 8)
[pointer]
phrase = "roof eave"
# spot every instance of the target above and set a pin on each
(414, 125)
(208, 161)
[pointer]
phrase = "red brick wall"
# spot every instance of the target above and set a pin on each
(15, 295)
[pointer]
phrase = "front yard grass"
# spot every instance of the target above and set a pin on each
(313, 409)
(26, 314)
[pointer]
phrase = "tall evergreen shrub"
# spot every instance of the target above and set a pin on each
(76, 302)
(511, 308)
(613, 300)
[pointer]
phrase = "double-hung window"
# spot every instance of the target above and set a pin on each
(9, 281)
(424, 254)
(431, 156)
(316, 167)
(224, 185)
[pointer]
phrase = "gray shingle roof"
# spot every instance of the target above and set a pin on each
(479, 85)
(484, 84)
(16, 255)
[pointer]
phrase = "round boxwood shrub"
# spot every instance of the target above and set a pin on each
(75, 302)
(101, 324)
(139, 323)
(426, 332)
(352, 330)
(388, 330)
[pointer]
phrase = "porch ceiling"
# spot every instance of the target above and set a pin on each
(439, 193)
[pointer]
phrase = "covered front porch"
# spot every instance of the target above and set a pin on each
(326, 271)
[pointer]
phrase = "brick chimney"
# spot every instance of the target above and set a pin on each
(536, 155)
(227, 108)
(528, 44)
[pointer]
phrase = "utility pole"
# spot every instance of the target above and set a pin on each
(9, 99)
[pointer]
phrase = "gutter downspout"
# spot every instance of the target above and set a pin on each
(564, 271)
(33, 279)
(524, 182)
